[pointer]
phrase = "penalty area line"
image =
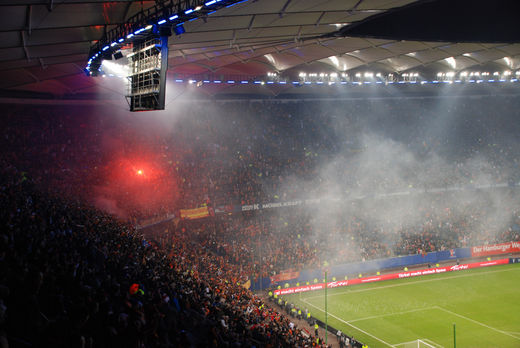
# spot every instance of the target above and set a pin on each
(353, 326)
(392, 314)
(516, 334)
(477, 322)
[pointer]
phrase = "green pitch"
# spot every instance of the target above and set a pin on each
(483, 303)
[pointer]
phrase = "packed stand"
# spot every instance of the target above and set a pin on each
(266, 242)
(73, 276)
(242, 152)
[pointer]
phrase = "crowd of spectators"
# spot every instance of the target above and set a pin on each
(73, 276)
(241, 152)
(266, 242)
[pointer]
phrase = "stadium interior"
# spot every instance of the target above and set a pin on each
(301, 146)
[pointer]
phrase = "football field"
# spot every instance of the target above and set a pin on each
(484, 305)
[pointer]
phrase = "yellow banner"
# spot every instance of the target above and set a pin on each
(196, 213)
(247, 284)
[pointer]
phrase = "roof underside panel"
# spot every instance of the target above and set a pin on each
(43, 63)
(44, 44)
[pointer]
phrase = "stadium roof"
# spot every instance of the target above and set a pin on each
(44, 44)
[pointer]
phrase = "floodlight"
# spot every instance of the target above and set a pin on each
(178, 30)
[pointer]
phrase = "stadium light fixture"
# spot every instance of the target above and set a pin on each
(139, 23)
(367, 78)
(236, 3)
(179, 29)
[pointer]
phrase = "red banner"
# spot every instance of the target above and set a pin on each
(495, 249)
(390, 276)
(285, 276)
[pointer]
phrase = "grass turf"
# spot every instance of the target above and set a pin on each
(483, 303)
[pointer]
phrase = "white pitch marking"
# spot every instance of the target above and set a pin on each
(392, 314)
(516, 334)
(477, 322)
(355, 327)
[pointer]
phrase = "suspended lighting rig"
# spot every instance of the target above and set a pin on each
(147, 34)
